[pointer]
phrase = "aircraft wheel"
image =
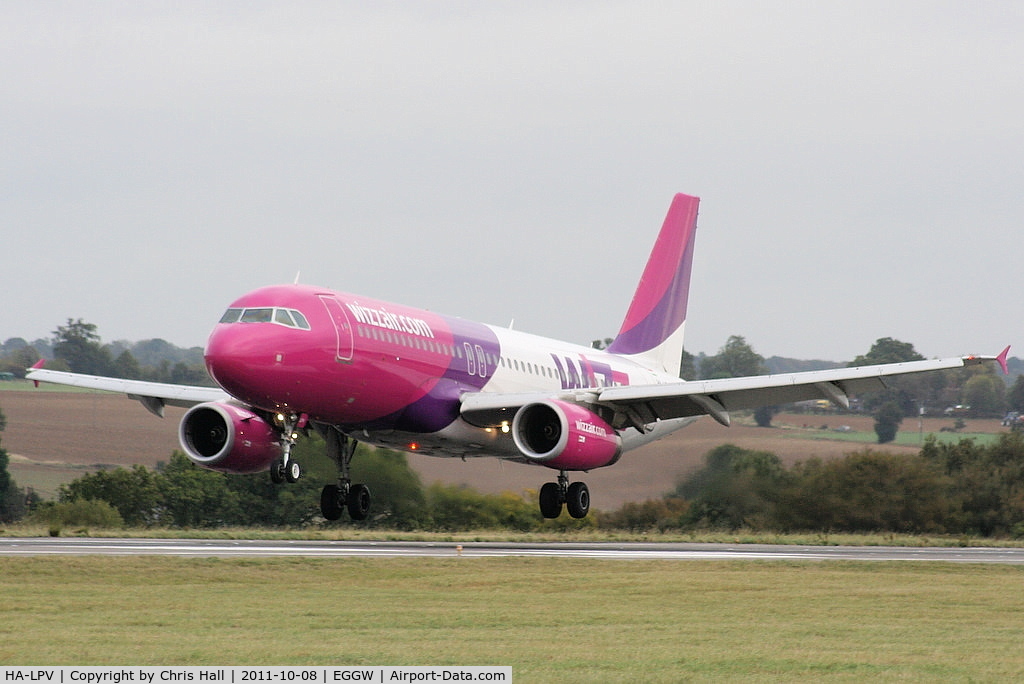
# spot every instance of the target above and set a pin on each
(577, 500)
(292, 472)
(277, 471)
(331, 503)
(550, 500)
(359, 502)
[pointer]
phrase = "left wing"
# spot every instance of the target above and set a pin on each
(153, 395)
(641, 405)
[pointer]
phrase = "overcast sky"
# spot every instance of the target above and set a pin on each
(859, 166)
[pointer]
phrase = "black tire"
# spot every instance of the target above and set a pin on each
(359, 502)
(277, 471)
(550, 500)
(577, 500)
(331, 504)
(292, 471)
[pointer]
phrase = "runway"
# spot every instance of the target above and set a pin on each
(47, 546)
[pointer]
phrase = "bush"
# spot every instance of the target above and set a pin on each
(735, 488)
(78, 513)
(867, 491)
(653, 514)
(887, 421)
(462, 508)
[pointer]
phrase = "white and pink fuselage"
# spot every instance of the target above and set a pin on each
(393, 375)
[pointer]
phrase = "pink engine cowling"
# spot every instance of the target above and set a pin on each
(228, 438)
(565, 436)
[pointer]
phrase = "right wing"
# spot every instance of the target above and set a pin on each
(153, 395)
(718, 398)
(641, 406)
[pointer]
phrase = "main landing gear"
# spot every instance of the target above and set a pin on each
(335, 498)
(575, 496)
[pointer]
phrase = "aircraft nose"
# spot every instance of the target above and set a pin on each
(230, 356)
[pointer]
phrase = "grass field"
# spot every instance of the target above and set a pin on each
(550, 619)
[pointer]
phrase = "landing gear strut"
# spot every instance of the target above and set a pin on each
(284, 469)
(335, 498)
(575, 496)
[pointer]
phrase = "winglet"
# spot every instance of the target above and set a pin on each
(38, 364)
(1001, 359)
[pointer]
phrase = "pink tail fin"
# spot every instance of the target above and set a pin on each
(653, 327)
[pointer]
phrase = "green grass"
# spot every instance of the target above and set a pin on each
(550, 619)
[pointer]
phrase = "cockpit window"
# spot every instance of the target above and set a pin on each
(290, 318)
(231, 316)
(257, 316)
(284, 318)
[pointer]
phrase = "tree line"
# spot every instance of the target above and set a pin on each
(961, 488)
(77, 347)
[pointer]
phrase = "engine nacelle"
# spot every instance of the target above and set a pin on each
(565, 436)
(228, 438)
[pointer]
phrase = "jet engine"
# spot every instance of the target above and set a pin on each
(565, 436)
(228, 438)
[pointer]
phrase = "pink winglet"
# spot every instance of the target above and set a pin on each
(38, 364)
(1002, 360)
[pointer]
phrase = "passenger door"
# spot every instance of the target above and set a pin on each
(342, 328)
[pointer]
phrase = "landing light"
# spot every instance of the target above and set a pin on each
(413, 446)
(504, 426)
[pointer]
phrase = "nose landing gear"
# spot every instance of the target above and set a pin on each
(284, 469)
(575, 497)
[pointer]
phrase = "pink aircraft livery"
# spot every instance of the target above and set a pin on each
(293, 357)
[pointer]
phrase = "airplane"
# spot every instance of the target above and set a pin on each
(290, 358)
